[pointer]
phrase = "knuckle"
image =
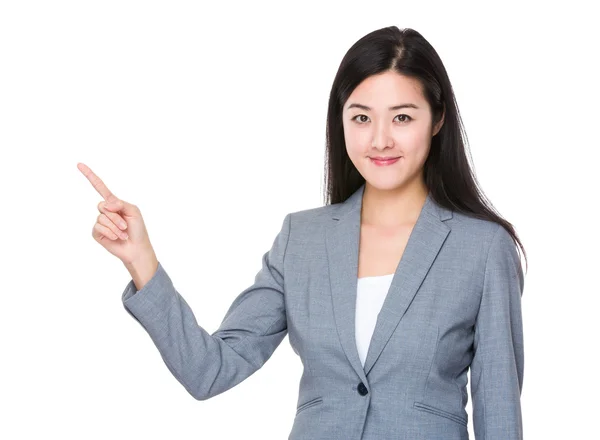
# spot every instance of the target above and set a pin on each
(105, 221)
(108, 233)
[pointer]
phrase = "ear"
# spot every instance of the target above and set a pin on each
(438, 126)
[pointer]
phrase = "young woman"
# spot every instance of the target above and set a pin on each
(390, 293)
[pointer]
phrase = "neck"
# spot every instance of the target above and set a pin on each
(390, 208)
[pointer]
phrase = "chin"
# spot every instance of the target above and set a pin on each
(385, 184)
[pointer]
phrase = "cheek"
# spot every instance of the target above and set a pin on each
(411, 136)
(357, 139)
(413, 142)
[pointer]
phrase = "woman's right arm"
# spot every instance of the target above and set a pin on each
(253, 327)
(205, 364)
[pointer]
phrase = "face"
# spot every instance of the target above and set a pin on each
(377, 124)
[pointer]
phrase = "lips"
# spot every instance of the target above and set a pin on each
(384, 160)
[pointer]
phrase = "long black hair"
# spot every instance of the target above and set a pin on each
(447, 172)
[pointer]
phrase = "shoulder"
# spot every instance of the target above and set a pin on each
(312, 216)
(309, 225)
(485, 247)
(479, 230)
(481, 239)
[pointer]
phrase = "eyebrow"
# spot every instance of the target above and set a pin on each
(396, 107)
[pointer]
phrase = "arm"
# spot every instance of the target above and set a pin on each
(253, 327)
(498, 362)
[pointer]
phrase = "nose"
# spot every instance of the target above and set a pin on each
(381, 136)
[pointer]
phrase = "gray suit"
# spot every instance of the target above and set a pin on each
(454, 304)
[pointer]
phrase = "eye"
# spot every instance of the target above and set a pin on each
(407, 118)
(354, 118)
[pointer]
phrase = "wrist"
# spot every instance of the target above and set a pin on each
(142, 269)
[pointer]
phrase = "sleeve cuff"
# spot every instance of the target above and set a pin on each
(155, 295)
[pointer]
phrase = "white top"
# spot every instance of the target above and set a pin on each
(370, 295)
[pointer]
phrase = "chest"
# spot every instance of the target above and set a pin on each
(381, 249)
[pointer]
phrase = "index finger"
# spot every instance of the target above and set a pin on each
(96, 182)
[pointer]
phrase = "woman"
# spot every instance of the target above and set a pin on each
(390, 293)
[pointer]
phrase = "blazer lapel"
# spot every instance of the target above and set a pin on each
(342, 243)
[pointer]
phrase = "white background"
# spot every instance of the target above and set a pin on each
(211, 118)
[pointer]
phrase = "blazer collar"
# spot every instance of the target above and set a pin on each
(354, 202)
(342, 243)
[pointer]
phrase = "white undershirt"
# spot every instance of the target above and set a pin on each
(370, 295)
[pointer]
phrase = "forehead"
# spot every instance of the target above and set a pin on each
(387, 89)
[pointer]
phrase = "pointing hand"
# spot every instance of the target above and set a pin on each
(119, 228)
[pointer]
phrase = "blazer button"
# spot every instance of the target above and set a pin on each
(362, 389)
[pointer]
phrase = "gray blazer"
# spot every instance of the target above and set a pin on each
(454, 304)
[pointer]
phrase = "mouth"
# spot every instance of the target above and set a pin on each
(382, 161)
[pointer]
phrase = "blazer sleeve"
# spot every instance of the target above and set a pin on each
(498, 362)
(255, 324)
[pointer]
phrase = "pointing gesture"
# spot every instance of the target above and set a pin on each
(120, 229)
(97, 183)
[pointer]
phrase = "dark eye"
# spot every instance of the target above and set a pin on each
(408, 118)
(363, 121)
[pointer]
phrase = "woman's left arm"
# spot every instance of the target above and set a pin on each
(498, 362)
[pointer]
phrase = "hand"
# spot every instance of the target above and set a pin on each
(120, 228)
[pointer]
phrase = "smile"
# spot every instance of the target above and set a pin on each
(384, 162)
